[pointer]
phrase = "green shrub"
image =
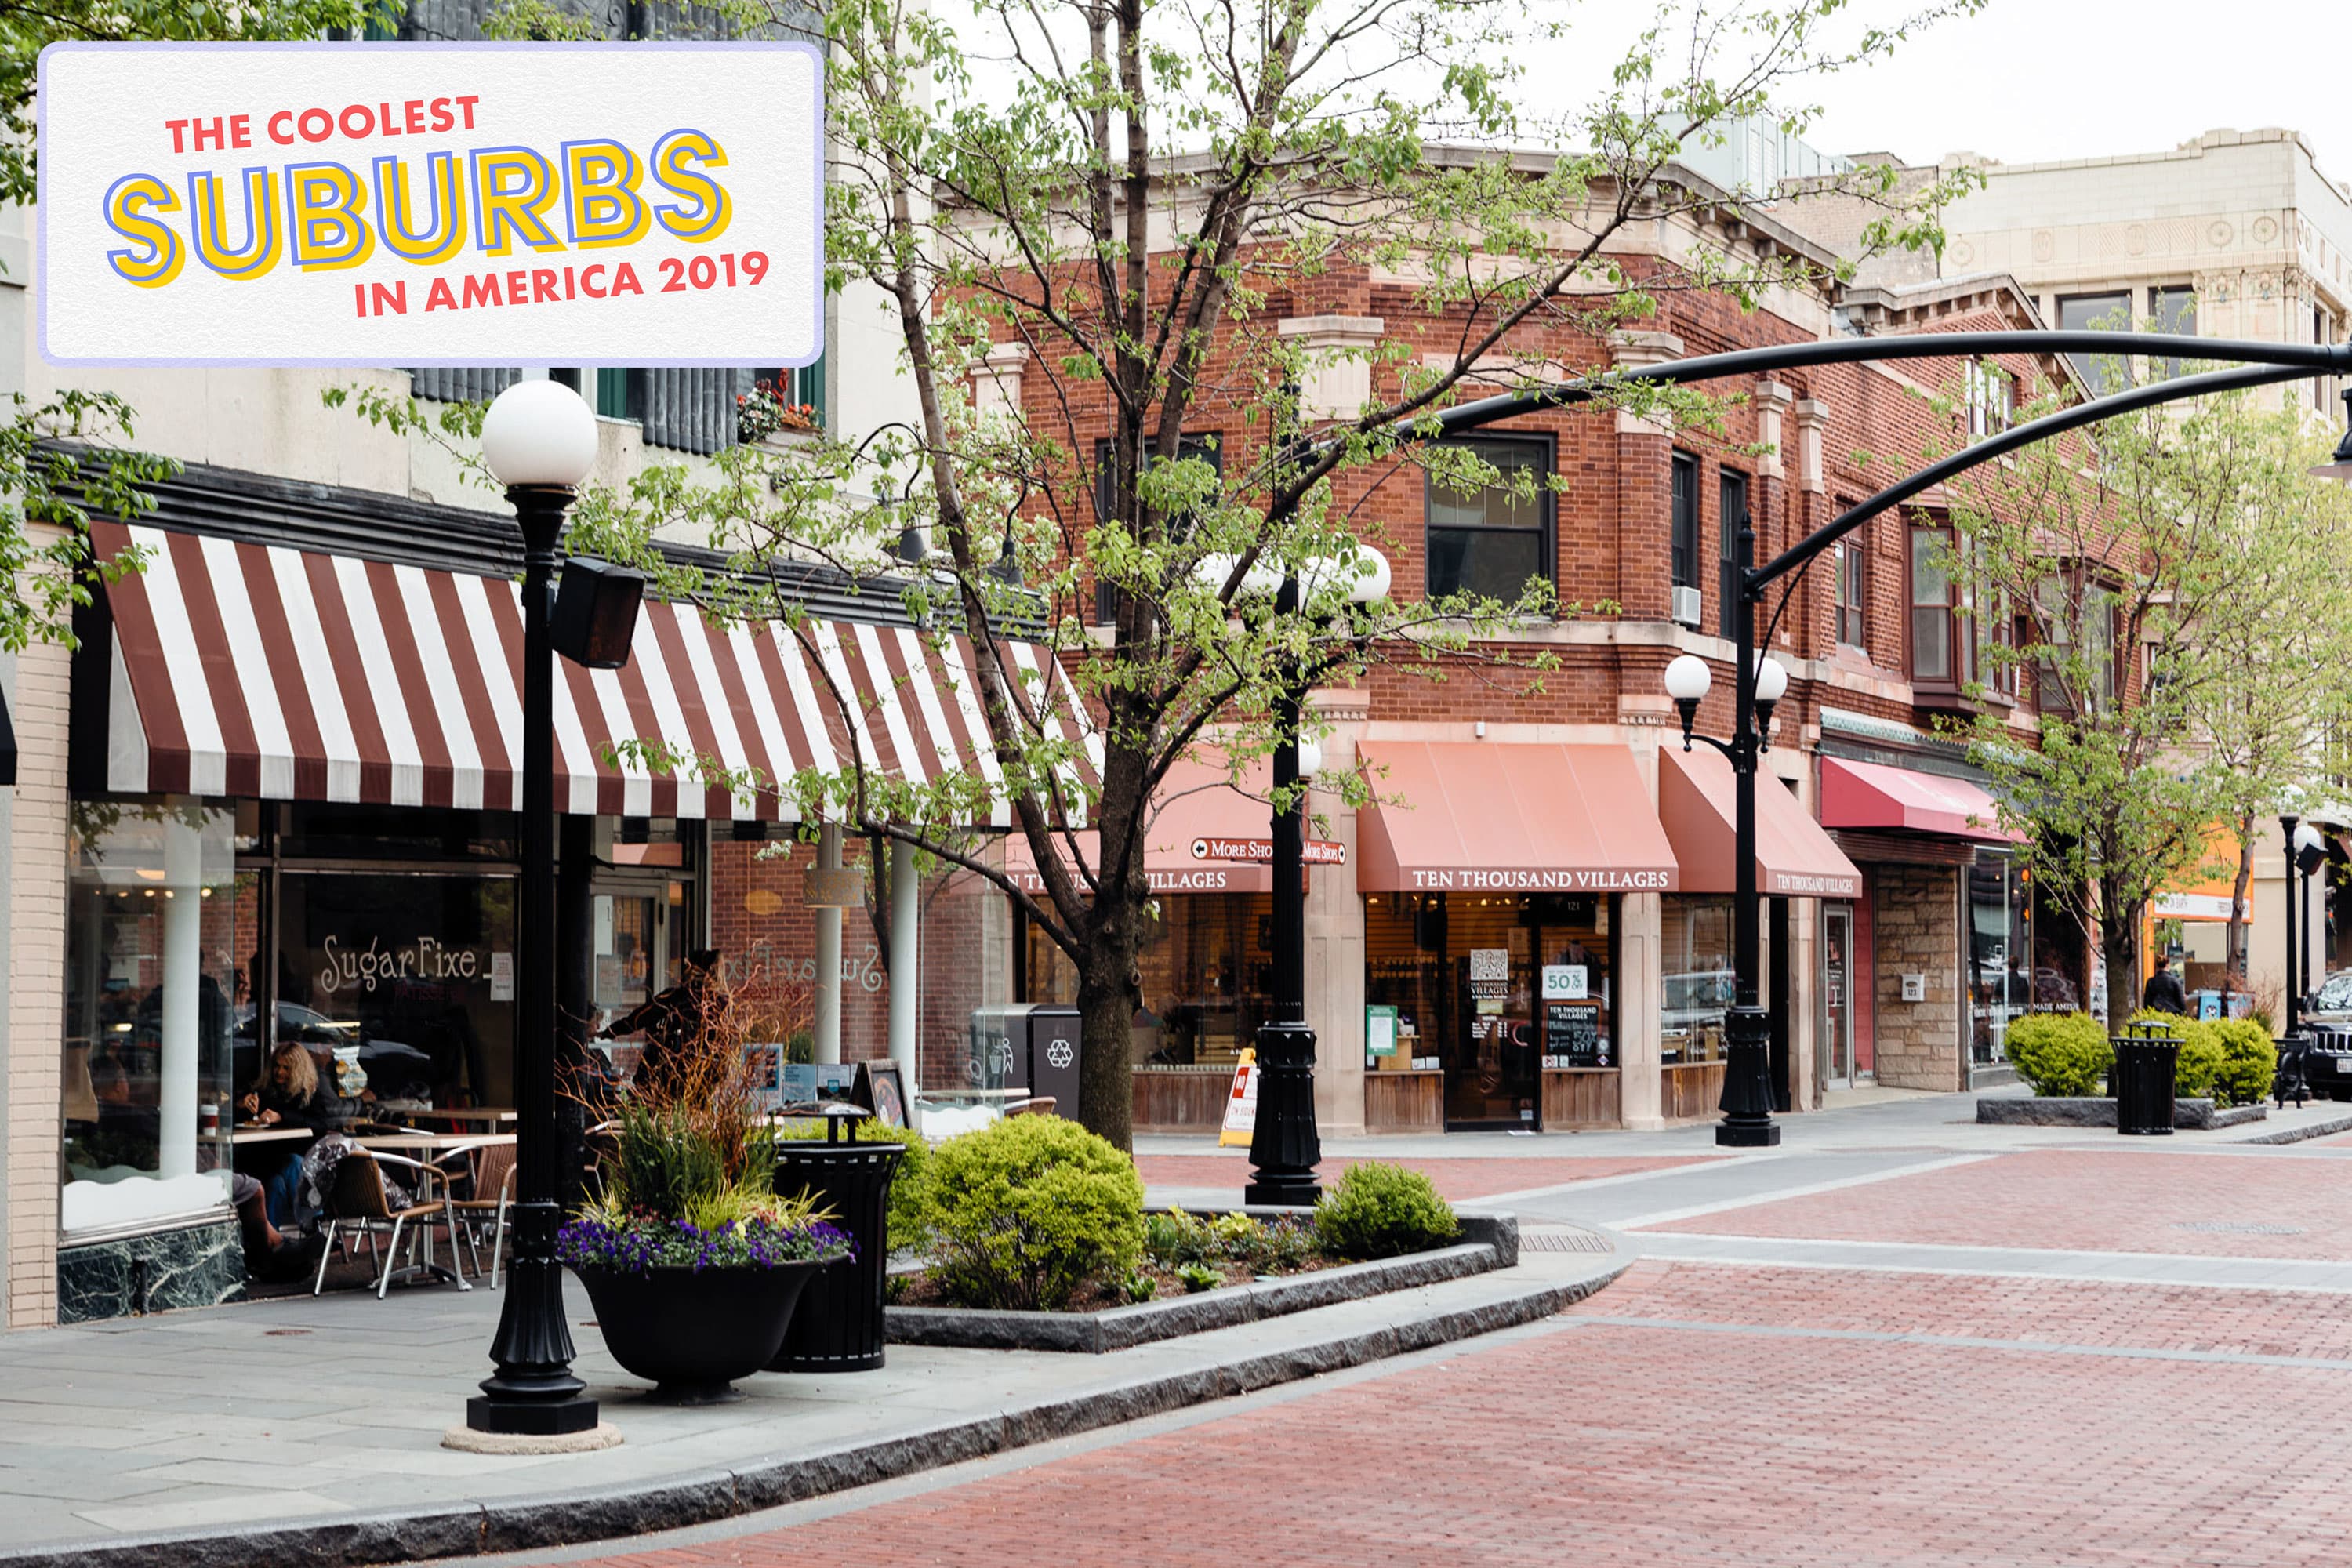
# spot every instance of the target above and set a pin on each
(1175, 1239)
(2060, 1053)
(2249, 1061)
(1380, 1211)
(1025, 1211)
(905, 1218)
(2200, 1056)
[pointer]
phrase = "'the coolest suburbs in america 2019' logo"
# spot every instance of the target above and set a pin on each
(476, 204)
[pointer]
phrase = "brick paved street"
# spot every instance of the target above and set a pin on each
(1701, 1413)
(2255, 1203)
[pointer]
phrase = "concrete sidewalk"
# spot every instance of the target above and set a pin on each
(308, 1431)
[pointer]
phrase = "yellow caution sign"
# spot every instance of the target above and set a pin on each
(1241, 1106)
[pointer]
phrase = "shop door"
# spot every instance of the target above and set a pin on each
(632, 960)
(1837, 996)
(1491, 1079)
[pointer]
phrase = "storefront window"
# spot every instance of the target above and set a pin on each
(408, 978)
(156, 920)
(1496, 988)
(1207, 966)
(2001, 977)
(1695, 947)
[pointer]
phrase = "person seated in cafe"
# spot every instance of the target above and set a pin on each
(269, 1253)
(674, 1016)
(292, 1094)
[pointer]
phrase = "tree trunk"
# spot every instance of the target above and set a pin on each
(1108, 1000)
(2119, 943)
(2234, 957)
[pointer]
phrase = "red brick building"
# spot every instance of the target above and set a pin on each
(1541, 927)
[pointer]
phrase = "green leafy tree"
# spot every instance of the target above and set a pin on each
(1123, 192)
(2115, 581)
(70, 456)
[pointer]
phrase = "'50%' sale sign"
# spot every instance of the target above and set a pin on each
(439, 205)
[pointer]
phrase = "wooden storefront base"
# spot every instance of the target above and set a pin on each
(1404, 1101)
(1690, 1092)
(1182, 1098)
(1580, 1097)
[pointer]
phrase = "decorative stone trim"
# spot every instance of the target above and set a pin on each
(1336, 378)
(1812, 419)
(996, 384)
(1772, 400)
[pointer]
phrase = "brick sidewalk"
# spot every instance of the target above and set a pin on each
(1459, 1180)
(2211, 1206)
(1678, 1448)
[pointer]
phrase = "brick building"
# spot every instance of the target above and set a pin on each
(1542, 926)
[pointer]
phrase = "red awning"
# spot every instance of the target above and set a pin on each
(1204, 838)
(257, 670)
(1869, 794)
(1495, 817)
(1794, 858)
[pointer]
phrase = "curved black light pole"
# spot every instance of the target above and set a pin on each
(1747, 1094)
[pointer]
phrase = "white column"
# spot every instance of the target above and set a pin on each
(826, 997)
(906, 985)
(183, 865)
(1641, 1008)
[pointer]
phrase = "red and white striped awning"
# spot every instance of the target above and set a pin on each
(259, 671)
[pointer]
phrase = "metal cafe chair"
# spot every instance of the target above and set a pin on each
(362, 1203)
(492, 1195)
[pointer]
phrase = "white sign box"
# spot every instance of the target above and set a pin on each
(628, 204)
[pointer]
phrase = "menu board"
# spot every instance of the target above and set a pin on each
(1572, 1035)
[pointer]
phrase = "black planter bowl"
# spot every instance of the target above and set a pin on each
(693, 1332)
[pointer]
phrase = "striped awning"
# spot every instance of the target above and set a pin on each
(258, 671)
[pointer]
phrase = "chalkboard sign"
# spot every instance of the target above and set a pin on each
(1572, 1035)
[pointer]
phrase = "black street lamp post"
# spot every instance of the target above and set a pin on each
(1759, 682)
(1284, 1146)
(540, 440)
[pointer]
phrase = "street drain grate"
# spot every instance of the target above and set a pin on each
(2238, 1227)
(1563, 1241)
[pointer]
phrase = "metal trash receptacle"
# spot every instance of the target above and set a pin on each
(2145, 1060)
(838, 1325)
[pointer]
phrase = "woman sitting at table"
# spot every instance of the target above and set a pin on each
(291, 1094)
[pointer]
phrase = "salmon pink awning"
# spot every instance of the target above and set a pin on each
(1697, 801)
(1206, 836)
(1496, 816)
(1871, 795)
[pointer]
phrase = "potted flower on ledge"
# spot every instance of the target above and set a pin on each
(692, 1260)
(767, 414)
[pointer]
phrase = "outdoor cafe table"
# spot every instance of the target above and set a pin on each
(424, 1146)
(270, 1132)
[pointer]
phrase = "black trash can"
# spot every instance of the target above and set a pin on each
(838, 1325)
(2145, 1059)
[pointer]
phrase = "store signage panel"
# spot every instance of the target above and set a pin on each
(1313, 851)
(481, 203)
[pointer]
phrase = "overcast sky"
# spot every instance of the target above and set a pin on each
(2028, 81)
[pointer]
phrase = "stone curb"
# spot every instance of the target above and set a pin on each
(578, 1518)
(2297, 1135)
(2099, 1111)
(1493, 1243)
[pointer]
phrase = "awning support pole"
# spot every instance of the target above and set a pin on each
(826, 993)
(906, 984)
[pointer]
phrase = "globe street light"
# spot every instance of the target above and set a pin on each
(1746, 1069)
(539, 441)
(1284, 1146)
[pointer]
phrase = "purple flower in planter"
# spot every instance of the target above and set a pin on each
(642, 1241)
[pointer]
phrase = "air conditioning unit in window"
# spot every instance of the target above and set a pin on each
(1687, 606)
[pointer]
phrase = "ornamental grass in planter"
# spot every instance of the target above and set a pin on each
(693, 1260)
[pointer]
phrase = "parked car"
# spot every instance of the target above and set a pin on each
(393, 1070)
